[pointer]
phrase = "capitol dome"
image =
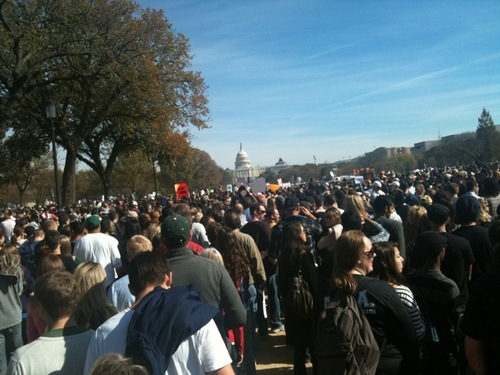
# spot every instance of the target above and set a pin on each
(242, 160)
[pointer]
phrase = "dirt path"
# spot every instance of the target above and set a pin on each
(273, 356)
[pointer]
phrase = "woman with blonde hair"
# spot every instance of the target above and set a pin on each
(355, 205)
(93, 307)
(416, 223)
(388, 318)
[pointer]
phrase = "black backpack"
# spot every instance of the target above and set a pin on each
(345, 344)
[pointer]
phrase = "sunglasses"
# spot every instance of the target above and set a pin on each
(370, 253)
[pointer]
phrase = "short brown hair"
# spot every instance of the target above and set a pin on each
(56, 292)
(147, 269)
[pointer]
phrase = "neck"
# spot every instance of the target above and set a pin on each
(358, 271)
(64, 322)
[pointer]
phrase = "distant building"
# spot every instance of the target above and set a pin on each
(278, 167)
(383, 153)
(244, 172)
(421, 147)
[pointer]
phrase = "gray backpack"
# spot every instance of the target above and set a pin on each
(345, 344)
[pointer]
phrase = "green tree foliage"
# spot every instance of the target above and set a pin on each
(488, 139)
(119, 75)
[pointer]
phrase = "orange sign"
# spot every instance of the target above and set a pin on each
(273, 187)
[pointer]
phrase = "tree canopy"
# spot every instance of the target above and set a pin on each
(119, 75)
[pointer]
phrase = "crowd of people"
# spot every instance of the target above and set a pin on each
(188, 287)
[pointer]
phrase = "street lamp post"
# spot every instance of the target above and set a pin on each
(50, 111)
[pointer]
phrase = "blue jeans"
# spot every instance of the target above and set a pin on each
(249, 331)
(10, 339)
(274, 301)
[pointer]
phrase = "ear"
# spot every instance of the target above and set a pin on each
(168, 279)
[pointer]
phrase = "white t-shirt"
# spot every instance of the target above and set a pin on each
(100, 248)
(202, 352)
(119, 294)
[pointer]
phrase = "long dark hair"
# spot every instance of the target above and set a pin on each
(292, 248)
(384, 266)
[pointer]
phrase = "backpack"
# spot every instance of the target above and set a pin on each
(299, 299)
(345, 344)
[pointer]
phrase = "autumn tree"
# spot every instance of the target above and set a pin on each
(119, 76)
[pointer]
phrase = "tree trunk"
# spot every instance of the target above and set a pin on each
(106, 184)
(68, 176)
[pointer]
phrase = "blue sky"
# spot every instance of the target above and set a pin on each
(335, 79)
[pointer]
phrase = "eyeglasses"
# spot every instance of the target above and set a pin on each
(370, 253)
(262, 212)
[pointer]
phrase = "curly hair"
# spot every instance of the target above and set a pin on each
(235, 258)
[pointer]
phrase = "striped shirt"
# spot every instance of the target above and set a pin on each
(406, 296)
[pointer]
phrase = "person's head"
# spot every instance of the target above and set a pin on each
(388, 263)
(49, 225)
(55, 292)
(258, 211)
(88, 275)
(354, 251)
(147, 270)
(438, 214)
(77, 229)
(330, 200)
(431, 247)
(291, 206)
(484, 215)
(294, 232)
(293, 245)
(93, 224)
(467, 209)
(213, 254)
(332, 217)
(350, 221)
(116, 364)
(451, 189)
(383, 205)
(175, 231)
(272, 214)
(491, 187)
(138, 244)
(65, 246)
(52, 239)
(232, 219)
(355, 203)
(106, 226)
(49, 263)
